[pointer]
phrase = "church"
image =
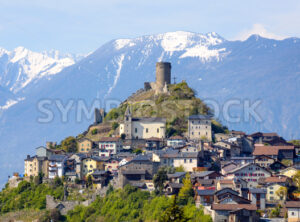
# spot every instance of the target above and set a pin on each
(142, 128)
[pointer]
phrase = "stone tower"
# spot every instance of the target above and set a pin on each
(99, 116)
(163, 75)
(128, 123)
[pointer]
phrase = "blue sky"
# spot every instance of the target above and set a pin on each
(81, 26)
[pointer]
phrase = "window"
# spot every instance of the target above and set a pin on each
(135, 130)
(82, 149)
(184, 160)
(271, 192)
(157, 130)
(191, 160)
(199, 133)
(146, 130)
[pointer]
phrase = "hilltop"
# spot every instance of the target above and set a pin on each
(176, 105)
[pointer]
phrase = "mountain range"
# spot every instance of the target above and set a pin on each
(226, 74)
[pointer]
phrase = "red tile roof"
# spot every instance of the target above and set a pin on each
(270, 150)
(279, 179)
(292, 204)
(233, 206)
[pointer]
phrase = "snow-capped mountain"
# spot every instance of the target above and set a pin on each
(257, 69)
(20, 67)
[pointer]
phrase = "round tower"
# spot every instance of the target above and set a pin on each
(163, 75)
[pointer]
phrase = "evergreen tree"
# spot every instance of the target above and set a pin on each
(173, 213)
(159, 180)
(186, 192)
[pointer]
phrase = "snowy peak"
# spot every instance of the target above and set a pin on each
(21, 66)
(188, 44)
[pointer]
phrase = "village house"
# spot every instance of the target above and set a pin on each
(233, 149)
(142, 128)
(100, 178)
(264, 161)
(293, 208)
(57, 165)
(35, 165)
(273, 184)
(228, 206)
(111, 164)
(258, 197)
(289, 172)
(84, 145)
(176, 177)
(176, 141)
(240, 160)
(153, 143)
(78, 161)
(262, 138)
(43, 152)
(199, 127)
(172, 188)
(90, 164)
(234, 184)
(109, 146)
(140, 168)
(204, 197)
(275, 152)
(250, 173)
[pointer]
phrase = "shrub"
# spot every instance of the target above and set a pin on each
(94, 131)
(115, 125)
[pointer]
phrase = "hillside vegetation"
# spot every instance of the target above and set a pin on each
(175, 106)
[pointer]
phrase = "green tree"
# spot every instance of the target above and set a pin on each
(173, 213)
(179, 169)
(282, 193)
(137, 151)
(89, 181)
(69, 145)
(296, 179)
(115, 125)
(94, 131)
(159, 180)
(186, 193)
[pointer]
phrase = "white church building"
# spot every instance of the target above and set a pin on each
(142, 128)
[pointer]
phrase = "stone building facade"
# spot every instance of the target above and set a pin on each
(199, 127)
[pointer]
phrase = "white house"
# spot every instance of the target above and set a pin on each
(142, 128)
(249, 172)
(175, 158)
(176, 141)
(109, 146)
(57, 166)
(293, 210)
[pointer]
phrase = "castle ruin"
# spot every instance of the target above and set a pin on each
(163, 78)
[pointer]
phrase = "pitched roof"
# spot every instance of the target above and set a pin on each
(205, 192)
(257, 190)
(149, 119)
(292, 204)
(278, 179)
(176, 174)
(57, 158)
(233, 207)
(201, 174)
(132, 172)
(176, 138)
(109, 139)
(270, 150)
(225, 181)
(202, 117)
